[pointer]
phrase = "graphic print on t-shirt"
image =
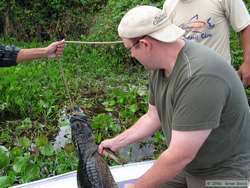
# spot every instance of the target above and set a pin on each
(197, 29)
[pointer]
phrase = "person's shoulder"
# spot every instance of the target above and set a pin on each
(199, 54)
(192, 47)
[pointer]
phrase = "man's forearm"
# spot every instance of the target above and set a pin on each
(30, 54)
(163, 170)
(143, 128)
(245, 43)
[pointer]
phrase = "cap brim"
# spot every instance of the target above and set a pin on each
(169, 33)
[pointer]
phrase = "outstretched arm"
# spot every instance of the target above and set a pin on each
(53, 50)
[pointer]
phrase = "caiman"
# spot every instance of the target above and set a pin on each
(93, 171)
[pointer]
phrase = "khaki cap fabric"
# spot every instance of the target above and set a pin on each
(151, 21)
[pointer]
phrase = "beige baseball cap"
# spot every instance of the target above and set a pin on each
(151, 21)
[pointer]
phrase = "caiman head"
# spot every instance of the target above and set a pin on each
(81, 131)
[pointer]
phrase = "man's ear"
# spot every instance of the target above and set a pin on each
(145, 43)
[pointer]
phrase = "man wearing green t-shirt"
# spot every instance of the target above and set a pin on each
(198, 100)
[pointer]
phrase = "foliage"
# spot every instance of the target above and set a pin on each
(102, 125)
(28, 98)
(4, 157)
(46, 19)
(129, 103)
(105, 28)
(28, 160)
(236, 51)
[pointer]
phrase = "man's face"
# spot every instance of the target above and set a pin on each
(137, 50)
(131, 46)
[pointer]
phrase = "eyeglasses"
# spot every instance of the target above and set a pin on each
(134, 45)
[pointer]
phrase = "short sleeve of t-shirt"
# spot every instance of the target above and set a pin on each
(237, 13)
(151, 93)
(200, 105)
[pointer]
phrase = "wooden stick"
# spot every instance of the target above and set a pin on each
(109, 153)
(87, 42)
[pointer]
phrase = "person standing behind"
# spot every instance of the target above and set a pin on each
(208, 22)
(12, 55)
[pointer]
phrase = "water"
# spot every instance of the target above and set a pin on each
(132, 153)
(138, 151)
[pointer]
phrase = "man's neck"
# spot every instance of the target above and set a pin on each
(172, 56)
(168, 71)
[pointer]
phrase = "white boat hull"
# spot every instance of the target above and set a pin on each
(121, 173)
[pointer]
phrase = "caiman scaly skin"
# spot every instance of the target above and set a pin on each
(92, 172)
